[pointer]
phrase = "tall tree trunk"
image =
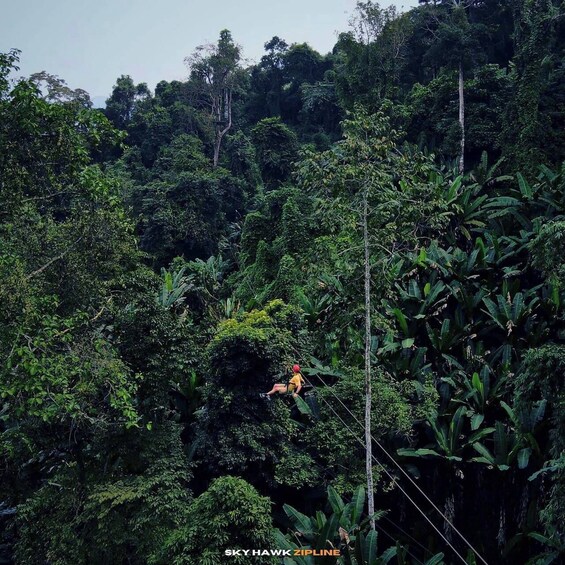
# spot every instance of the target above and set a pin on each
(224, 117)
(368, 441)
(461, 119)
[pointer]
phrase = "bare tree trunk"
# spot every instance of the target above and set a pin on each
(217, 144)
(368, 441)
(461, 119)
(224, 112)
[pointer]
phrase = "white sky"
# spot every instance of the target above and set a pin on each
(91, 43)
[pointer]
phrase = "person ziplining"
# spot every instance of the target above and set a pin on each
(294, 386)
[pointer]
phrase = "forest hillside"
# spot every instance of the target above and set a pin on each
(389, 217)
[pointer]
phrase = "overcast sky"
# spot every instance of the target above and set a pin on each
(91, 43)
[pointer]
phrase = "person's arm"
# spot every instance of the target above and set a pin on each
(297, 389)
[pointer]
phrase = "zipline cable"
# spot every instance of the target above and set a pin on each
(378, 443)
(378, 526)
(386, 518)
(391, 522)
(398, 485)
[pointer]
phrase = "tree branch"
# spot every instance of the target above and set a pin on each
(53, 260)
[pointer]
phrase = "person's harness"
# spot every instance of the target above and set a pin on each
(289, 384)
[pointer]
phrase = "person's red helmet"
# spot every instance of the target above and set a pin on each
(296, 368)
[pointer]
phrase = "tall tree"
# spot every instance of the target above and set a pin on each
(121, 103)
(454, 45)
(360, 180)
(369, 20)
(214, 69)
(267, 81)
(536, 39)
(368, 389)
(373, 54)
(55, 89)
(277, 149)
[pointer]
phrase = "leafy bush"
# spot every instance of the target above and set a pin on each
(229, 515)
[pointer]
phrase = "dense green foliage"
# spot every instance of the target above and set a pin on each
(166, 260)
(230, 514)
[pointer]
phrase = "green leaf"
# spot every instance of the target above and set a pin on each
(358, 503)
(387, 555)
(476, 421)
(525, 189)
(435, 560)
(327, 533)
(423, 452)
(335, 500)
(548, 469)
(477, 383)
(502, 202)
(454, 188)
(422, 256)
(537, 412)
(301, 522)
(401, 320)
(465, 232)
(500, 444)
(487, 455)
(555, 295)
(360, 547)
(440, 432)
(480, 434)
(524, 457)
(493, 311)
(549, 174)
(455, 427)
(510, 413)
(302, 406)
(518, 307)
(371, 548)
(283, 543)
(542, 539)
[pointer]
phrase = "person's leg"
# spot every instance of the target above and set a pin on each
(273, 390)
(279, 387)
